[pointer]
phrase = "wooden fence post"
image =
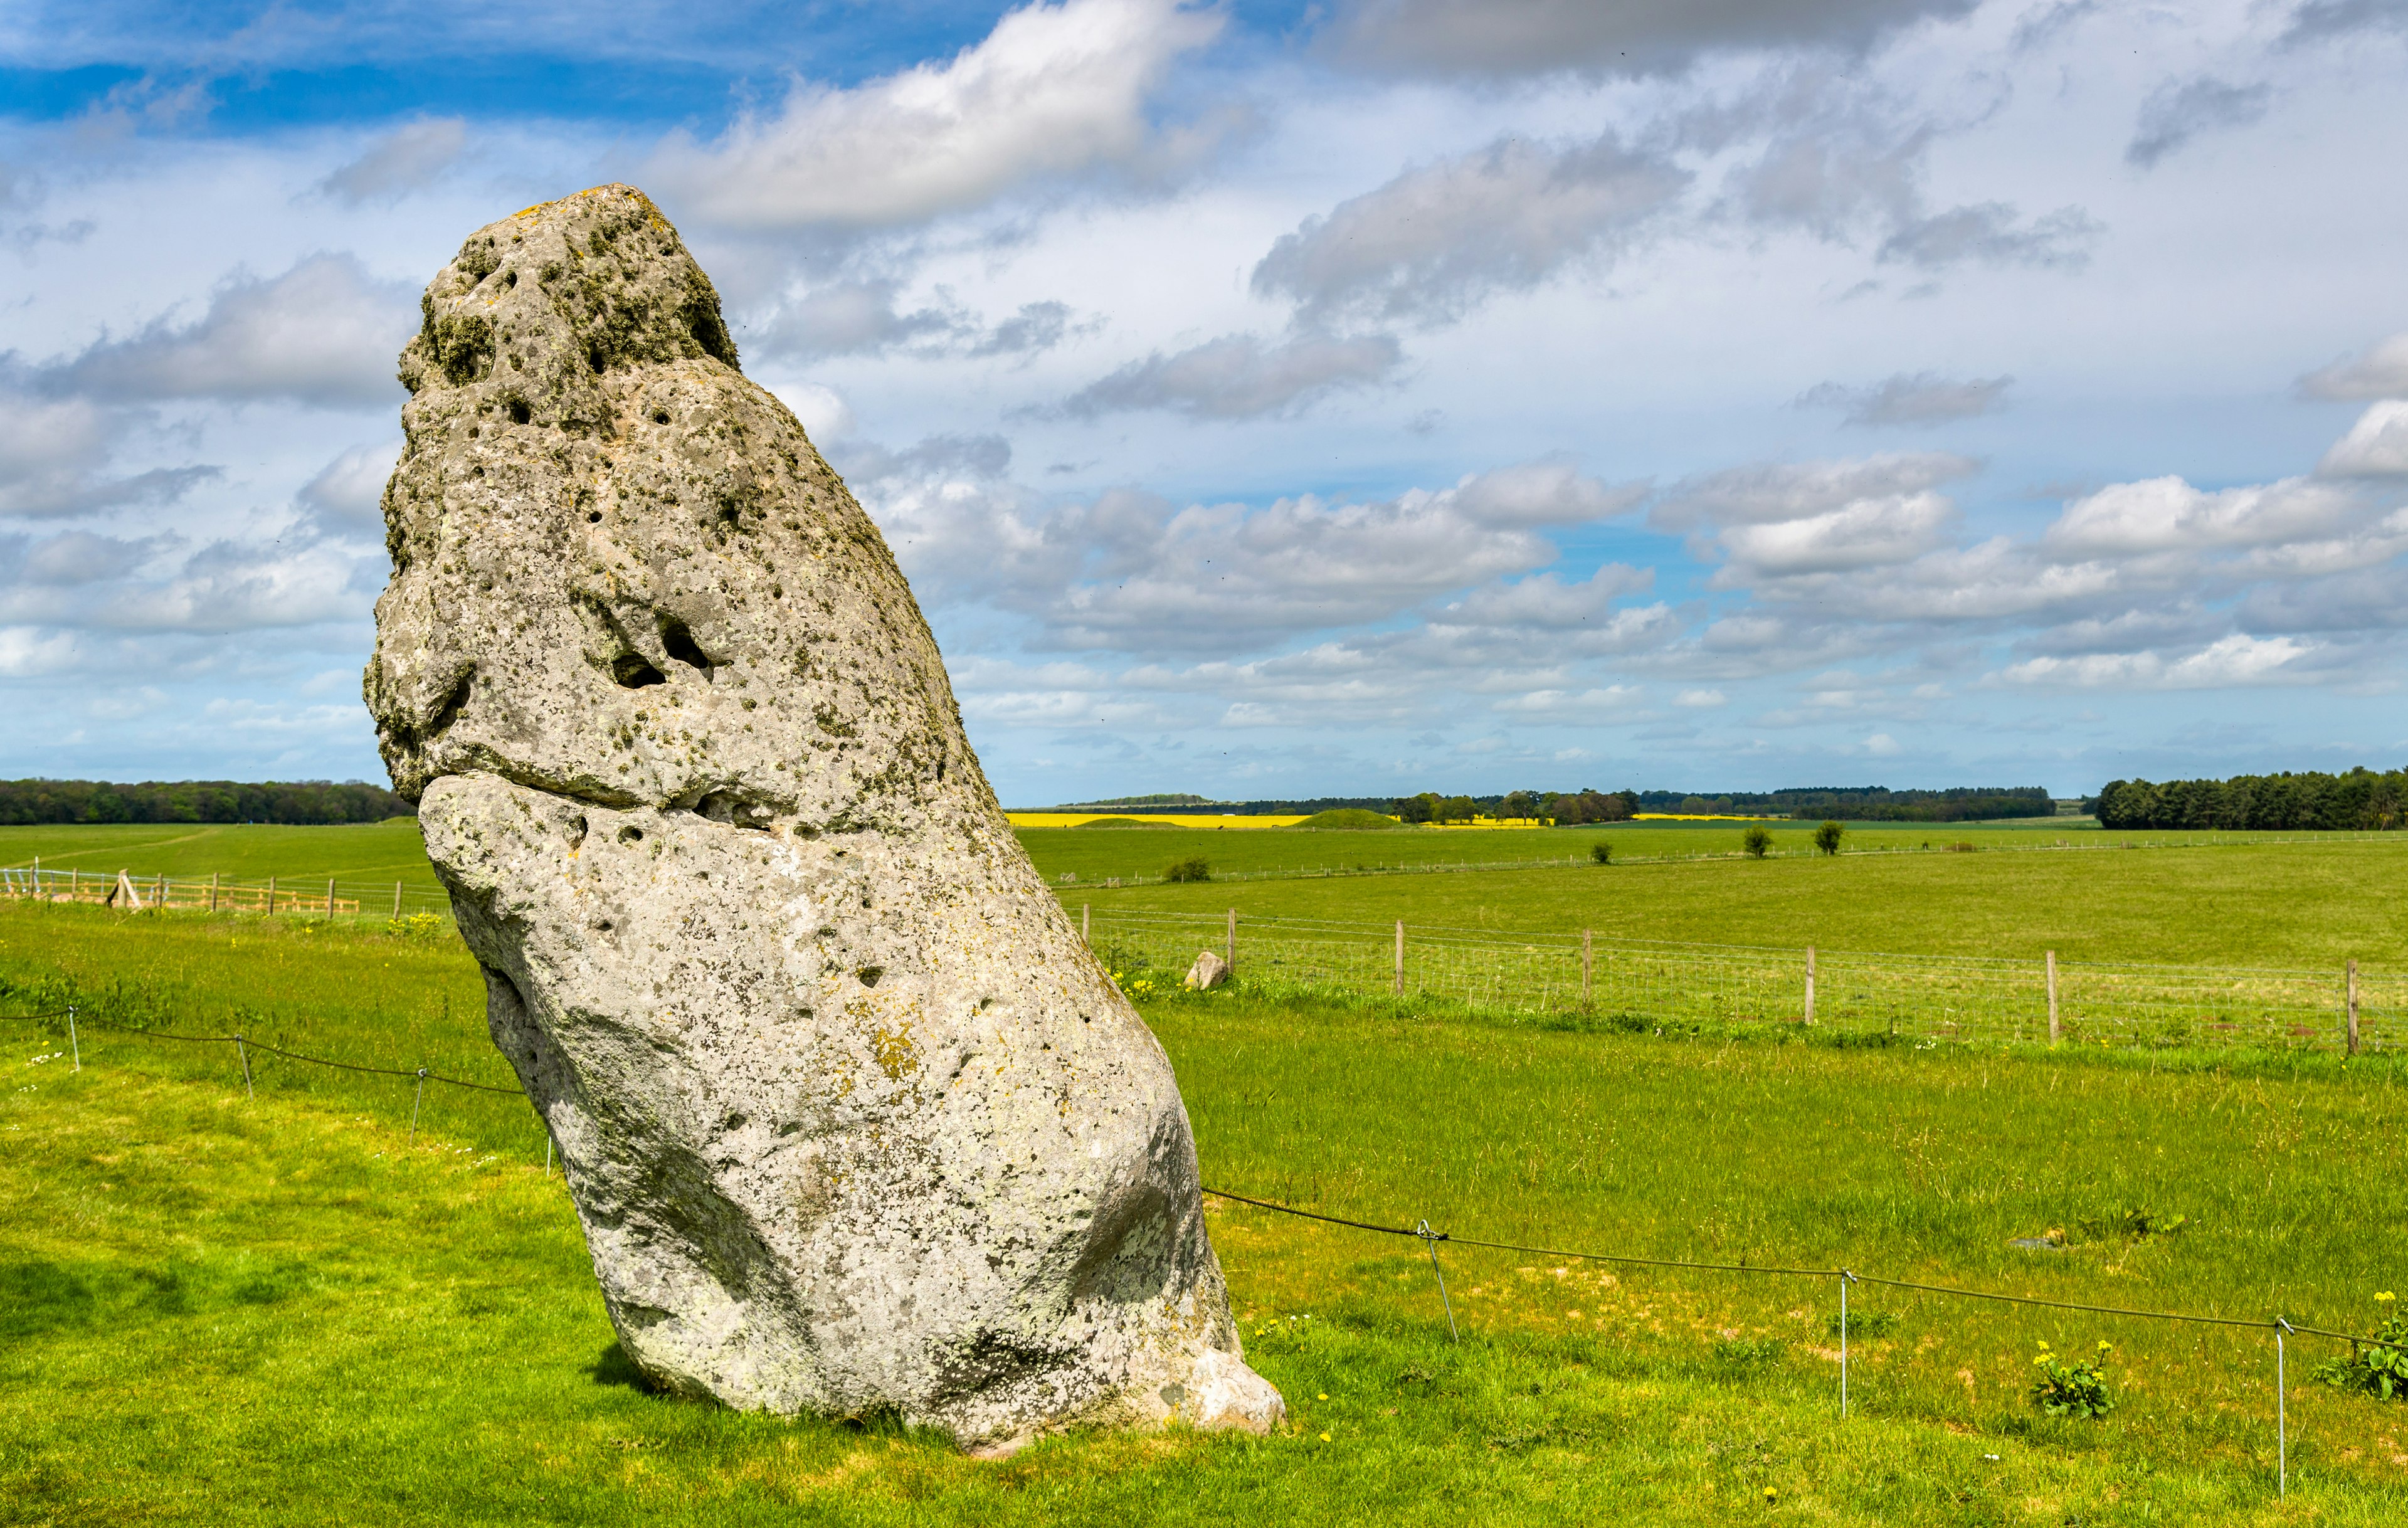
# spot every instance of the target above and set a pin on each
(1232, 954)
(1810, 984)
(1588, 961)
(2352, 1007)
(1401, 957)
(2055, 1031)
(1086, 927)
(271, 893)
(330, 896)
(213, 890)
(396, 899)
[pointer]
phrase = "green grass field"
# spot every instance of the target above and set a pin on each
(380, 851)
(281, 1309)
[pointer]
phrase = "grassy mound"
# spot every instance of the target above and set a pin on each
(1347, 817)
(1125, 823)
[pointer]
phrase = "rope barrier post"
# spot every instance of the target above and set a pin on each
(271, 893)
(244, 1056)
(396, 899)
(74, 1044)
(1810, 984)
(1430, 1240)
(414, 1100)
(1588, 961)
(1233, 944)
(546, 1153)
(213, 890)
(330, 896)
(1086, 926)
(2282, 1422)
(1401, 957)
(1846, 1278)
(2054, 1031)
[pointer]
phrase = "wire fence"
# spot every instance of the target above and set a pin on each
(1656, 984)
(352, 897)
(1430, 1239)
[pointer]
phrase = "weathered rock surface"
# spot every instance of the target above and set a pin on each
(853, 1119)
(1210, 970)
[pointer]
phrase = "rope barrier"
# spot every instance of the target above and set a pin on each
(2277, 1324)
(1422, 1233)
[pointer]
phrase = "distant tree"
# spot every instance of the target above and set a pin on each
(1458, 809)
(1757, 841)
(1196, 869)
(1826, 837)
(1520, 806)
(1420, 809)
(1602, 852)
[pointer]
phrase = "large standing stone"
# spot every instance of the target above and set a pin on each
(853, 1119)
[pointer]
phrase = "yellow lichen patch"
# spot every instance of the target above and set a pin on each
(898, 1055)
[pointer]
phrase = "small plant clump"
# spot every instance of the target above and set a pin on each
(1602, 852)
(2378, 1368)
(2072, 1390)
(420, 925)
(1194, 867)
(1757, 841)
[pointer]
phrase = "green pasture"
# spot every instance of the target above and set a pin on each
(2299, 904)
(215, 1309)
(379, 851)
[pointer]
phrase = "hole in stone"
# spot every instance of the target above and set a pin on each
(593, 516)
(631, 834)
(733, 809)
(594, 359)
(510, 279)
(679, 642)
(869, 975)
(633, 672)
(520, 413)
(660, 416)
(575, 832)
(447, 709)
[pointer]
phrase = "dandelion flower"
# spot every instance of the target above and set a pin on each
(1324, 1395)
(2385, 1294)
(1324, 1438)
(1770, 1494)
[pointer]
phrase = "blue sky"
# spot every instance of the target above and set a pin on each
(1350, 398)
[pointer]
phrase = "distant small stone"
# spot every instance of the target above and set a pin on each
(1210, 970)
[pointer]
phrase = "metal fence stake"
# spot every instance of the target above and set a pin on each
(2282, 1422)
(245, 1057)
(1401, 957)
(1233, 943)
(414, 1100)
(1430, 1240)
(1810, 984)
(546, 1153)
(74, 1044)
(1588, 961)
(1086, 927)
(2352, 1007)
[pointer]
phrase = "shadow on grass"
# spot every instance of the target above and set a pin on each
(614, 1367)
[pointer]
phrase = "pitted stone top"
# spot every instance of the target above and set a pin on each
(621, 573)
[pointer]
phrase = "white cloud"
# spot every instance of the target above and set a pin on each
(1594, 706)
(2167, 514)
(1700, 699)
(2233, 661)
(1053, 91)
(1771, 493)
(323, 333)
(1881, 745)
(2181, 110)
(348, 494)
(1239, 377)
(1921, 398)
(1545, 602)
(2381, 371)
(1544, 36)
(409, 158)
(2375, 447)
(1435, 240)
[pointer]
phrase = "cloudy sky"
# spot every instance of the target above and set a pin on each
(1275, 399)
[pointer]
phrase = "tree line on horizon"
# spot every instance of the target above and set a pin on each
(1865, 804)
(2306, 801)
(286, 803)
